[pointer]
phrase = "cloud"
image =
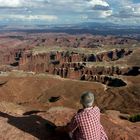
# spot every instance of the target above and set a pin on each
(130, 11)
(100, 7)
(98, 2)
(30, 17)
(61, 9)
(22, 3)
(105, 14)
(100, 14)
(56, 3)
(124, 12)
(70, 10)
(10, 3)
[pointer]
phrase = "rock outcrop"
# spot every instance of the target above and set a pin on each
(66, 59)
(42, 125)
(77, 66)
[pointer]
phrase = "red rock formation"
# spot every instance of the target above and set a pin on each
(60, 59)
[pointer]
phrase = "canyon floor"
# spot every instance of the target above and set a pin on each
(43, 75)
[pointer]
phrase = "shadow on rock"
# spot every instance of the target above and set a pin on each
(2, 83)
(36, 126)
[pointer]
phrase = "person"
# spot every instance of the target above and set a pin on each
(85, 125)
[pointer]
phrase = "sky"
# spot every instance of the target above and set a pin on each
(46, 12)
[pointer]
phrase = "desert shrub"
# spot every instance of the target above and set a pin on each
(135, 118)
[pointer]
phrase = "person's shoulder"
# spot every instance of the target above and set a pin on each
(79, 113)
(96, 108)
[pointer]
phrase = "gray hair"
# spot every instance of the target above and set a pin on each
(87, 99)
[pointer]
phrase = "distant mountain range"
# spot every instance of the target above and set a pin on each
(86, 27)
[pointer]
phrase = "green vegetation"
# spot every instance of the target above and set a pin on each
(135, 118)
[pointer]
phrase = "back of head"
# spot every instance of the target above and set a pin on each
(87, 99)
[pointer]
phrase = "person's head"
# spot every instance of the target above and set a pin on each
(87, 99)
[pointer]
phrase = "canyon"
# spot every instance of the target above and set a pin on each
(42, 76)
